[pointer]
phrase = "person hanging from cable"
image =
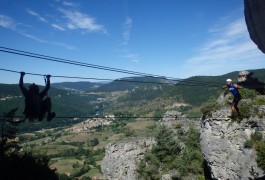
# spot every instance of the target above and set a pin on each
(233, 88)
(36, 103)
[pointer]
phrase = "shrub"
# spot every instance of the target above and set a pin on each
(129, 132)
(256, 137)
(256, 141)
(248, 93)
(208, 108)
(261, 156)
(76, 165)
(167, 155)
(94, 142)
(248, 144)
(259, 101)
(245, 109)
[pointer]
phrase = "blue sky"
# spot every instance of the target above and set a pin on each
(170, 38)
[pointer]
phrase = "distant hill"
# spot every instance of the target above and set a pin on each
(85, 98)
(78, 86)
(131, 95)
(129, 83)
(196, 95)
(64, 103)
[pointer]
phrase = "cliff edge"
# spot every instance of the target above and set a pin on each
(223, 145)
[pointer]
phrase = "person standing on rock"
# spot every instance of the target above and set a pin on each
(233, 88)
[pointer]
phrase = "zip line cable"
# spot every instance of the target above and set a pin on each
(102, 117)
(114, 80)
(120, 117)
(99, 67)
(94, 66)
(60, 60)
(121, 80)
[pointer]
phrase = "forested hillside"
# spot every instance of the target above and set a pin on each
(134, 95)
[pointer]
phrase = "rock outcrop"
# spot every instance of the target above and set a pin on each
(172, 119)
(120, 161)
(255, 20)
(121, 158)
(222, 143)
(89, 125)
(246, 80)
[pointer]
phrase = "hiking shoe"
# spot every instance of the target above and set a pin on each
(51, 116)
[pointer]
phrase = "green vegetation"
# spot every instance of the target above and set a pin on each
(248, 93)
(80, 154)
(209, 107)
(76, 157)
(256, 141)
(261, 155)
(259, 101)
(168, 154)
(246, 109)
(64, 103)
(16, 164)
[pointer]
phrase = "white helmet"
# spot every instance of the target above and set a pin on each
(229, 80)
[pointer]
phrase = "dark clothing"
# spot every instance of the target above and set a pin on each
(35, 104)
(236, 99)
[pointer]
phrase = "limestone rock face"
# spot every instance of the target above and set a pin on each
(222, 143)
(173, 118)
(89, 124)
(246, 80)
(120, 161)
(255, 20)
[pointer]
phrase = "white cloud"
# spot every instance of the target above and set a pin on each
(236, 28)
(78, 20)
(61, 44)
(70, 4)
(11, 24)
(127, 30)
(64, 45)
(58, 27)
(37, 15)
(228, 48)
(33, 37)
(7, 22)
(132, 57)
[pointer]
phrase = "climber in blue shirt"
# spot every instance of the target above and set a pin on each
(233, 88)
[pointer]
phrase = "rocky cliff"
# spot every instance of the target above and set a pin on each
(255, 20)
(222, 143)
(121, 158)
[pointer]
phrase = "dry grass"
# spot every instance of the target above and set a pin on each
(65, 165)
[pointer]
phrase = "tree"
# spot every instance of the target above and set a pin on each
(167, 145)
(162, 154)
(20, 165)
(8, 131)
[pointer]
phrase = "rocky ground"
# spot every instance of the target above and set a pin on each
(222, 144)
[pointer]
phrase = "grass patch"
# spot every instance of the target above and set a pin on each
(65, 165)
